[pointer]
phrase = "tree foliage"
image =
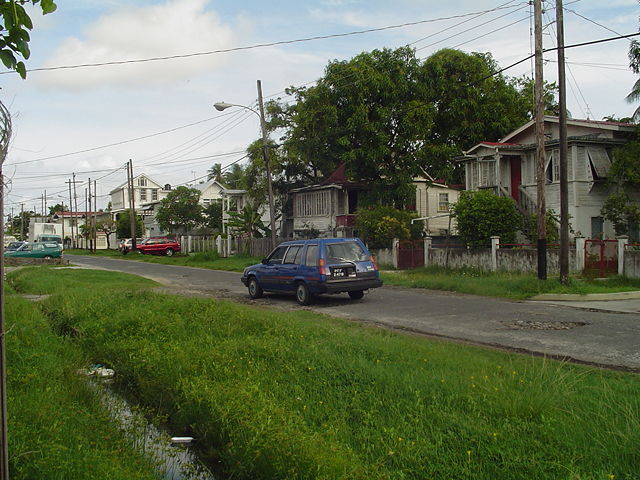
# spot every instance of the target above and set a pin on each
(390, 116)
(379, 226)
(14, 32)
(248, 222)
(482, 214)
(180, 210)
(123, 225)
(622, 207)
(212, 216)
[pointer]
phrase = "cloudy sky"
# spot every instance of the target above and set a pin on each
(159, 111)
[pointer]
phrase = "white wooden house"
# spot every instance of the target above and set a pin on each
(508, 167)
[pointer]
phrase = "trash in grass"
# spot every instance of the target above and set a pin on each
(98, 370)
(177, 440)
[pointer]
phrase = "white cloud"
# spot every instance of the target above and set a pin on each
(175, 27)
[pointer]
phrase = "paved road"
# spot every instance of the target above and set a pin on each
(592, 336)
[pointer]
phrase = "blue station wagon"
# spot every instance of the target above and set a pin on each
(312, 267)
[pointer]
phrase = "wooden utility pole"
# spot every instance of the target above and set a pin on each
(95, 216)
(564, 178)
(75, 198)
(87, 220)
(73, 242)
(4, 447)
(540, 160)
(132, 207)
(22, 221)
(265, 154)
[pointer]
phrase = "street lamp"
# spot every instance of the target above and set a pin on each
(220, 106)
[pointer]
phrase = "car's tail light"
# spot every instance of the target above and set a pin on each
(375, 266)
(321, 267)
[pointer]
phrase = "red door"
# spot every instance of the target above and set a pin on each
(516, 177)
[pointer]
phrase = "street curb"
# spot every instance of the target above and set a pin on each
(559, 297)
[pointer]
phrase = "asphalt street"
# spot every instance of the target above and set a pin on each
(601, 333)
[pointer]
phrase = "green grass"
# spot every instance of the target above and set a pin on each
(210, 260)
(502, 284)
(298, 395)
(58, 430)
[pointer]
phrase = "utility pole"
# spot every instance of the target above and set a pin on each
(73, 242)
(564, 178)
(22, 221)
(75, 198)
(95, 216)
(539, 121)
(265, 154)
(132, 207)
(87, 216)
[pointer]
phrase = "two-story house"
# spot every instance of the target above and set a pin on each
(509, 168)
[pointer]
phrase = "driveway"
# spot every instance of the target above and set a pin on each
(588, 335)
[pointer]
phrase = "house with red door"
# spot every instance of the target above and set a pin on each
(508, 167)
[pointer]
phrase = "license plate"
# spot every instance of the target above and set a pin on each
(344, 272)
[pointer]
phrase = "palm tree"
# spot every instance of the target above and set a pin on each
(634, 65)
(215, 172)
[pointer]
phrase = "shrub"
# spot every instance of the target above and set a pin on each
(379, 225)
(481, 215)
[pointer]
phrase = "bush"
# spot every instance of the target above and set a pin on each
(379, 225)
(481, 215)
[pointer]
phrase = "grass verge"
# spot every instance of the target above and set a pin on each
(210, 260)
(298, 395)
(58, 429)
(502, 284)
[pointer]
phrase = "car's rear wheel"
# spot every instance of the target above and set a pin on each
(255, 291)
(356, 294)
(168, 252)
(302, 294)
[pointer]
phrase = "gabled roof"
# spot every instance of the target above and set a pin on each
(122, 186)
(604, 125)
(203, 186)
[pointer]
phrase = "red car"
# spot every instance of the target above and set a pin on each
(159, 246)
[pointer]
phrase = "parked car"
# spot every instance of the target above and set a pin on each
(311, 267)
(159, 246)
(125, 245)
(13, 246)
(37, 250)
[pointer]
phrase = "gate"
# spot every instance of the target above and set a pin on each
(601, 257)
(410, 254)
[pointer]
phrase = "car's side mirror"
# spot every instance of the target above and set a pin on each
(265, 261)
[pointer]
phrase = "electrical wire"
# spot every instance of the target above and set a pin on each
(255, 46)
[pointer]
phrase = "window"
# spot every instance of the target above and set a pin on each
(443, 202)
(277, 255)
(552, 171)
(312, 256)
(142, 182)
(143, 194)
(292, 254)
(599, 163)
(154, 195)
(313, 204)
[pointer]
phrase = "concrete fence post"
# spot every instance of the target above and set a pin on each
(580, 242)
(395, 251)
(495, 246)
(219, 245)
(228, 252)
(427, 247)
(623, 241)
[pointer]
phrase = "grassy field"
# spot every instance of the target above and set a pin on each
(502, 284)
(57, 428)
(298, 395)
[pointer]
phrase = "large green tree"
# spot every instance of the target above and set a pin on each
(390, 116)
(634, 65)
(180, 210)
(14, 31)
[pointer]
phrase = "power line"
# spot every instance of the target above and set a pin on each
(259, 45)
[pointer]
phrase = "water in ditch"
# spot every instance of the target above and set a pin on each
(173, 459)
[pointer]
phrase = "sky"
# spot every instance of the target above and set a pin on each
(158, 111)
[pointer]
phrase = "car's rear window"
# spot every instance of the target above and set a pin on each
(292, 254)
(345, 252)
